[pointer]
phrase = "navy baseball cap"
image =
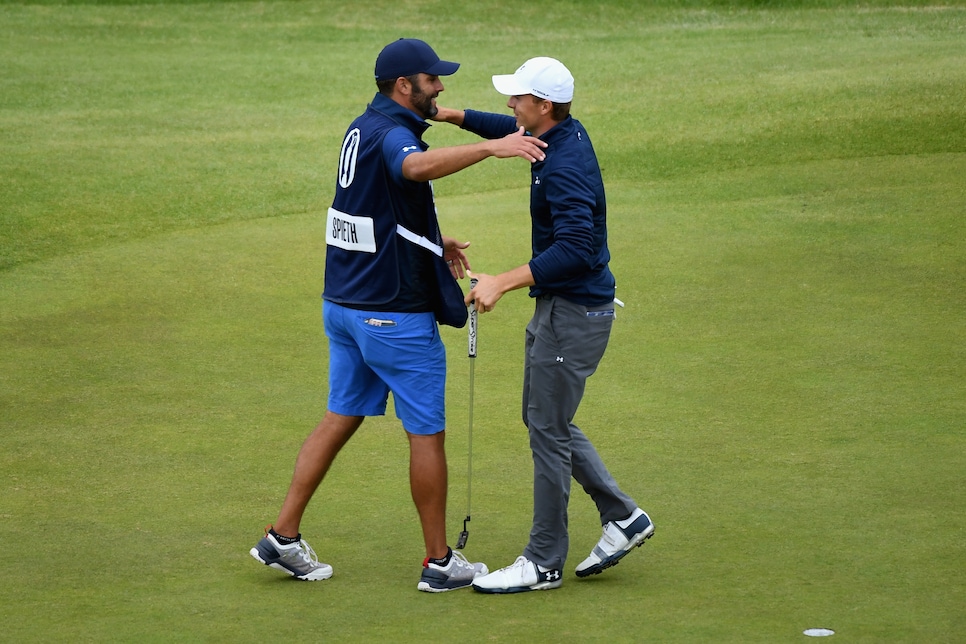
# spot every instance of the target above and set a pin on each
(408, 56)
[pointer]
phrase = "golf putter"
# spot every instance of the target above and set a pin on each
(465, 534)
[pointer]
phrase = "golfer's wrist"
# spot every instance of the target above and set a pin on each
(450, 115)
(515, 279)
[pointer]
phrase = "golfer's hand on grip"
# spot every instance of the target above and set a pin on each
(490, 288)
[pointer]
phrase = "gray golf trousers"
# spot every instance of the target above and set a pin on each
(564, 344)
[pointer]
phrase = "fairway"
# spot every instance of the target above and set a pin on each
(784, 391)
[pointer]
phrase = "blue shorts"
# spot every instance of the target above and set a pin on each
(372, 353)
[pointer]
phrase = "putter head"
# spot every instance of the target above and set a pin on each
(464, 535)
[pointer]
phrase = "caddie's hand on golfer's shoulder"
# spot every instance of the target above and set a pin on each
(520, 144)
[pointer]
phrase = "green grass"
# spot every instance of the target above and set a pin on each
(785, 391)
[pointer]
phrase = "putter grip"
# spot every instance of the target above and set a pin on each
(472, 324)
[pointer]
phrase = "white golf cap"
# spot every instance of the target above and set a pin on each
(543, 77)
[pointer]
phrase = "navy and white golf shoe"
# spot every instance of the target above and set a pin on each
(619, 538)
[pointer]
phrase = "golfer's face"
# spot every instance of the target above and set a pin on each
(526, 109)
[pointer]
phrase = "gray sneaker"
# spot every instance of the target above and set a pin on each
(460, 573)
(297, 559)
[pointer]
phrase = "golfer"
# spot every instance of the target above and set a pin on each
(574, 290)
(387, 285)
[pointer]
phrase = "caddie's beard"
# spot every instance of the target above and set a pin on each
(423, 102)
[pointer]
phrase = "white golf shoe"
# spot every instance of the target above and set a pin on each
(520, 576)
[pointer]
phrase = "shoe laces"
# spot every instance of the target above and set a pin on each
(520, 562)
(308, 554)
(460, 561)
